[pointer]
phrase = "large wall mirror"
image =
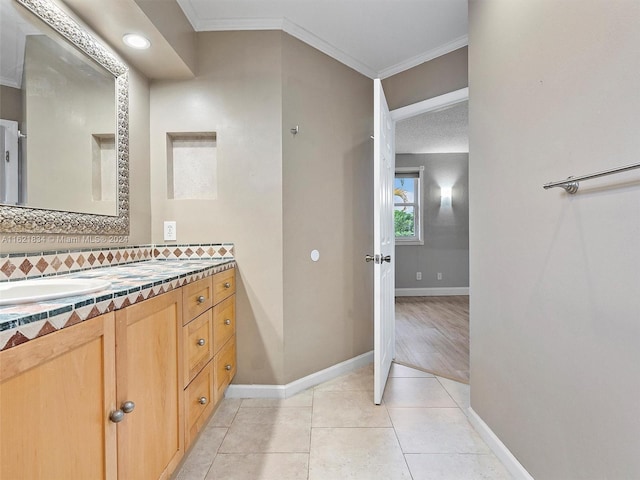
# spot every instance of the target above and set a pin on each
(65, 138)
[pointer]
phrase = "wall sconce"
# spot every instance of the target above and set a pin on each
(445, 196)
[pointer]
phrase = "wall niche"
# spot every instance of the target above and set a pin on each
(192, 166)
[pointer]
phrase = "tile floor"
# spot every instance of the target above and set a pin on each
(335, 432)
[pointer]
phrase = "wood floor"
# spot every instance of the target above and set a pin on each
(432, 333)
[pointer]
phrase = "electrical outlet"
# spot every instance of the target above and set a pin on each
(418, 275)
(170, 230)
(439, 276)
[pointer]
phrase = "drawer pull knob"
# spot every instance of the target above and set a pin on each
(202, 342)
(227, 285)
(227, 367)
(201, 299)
(227, 322)
(202, 400)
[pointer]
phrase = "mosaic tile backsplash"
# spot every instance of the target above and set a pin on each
(20, 266)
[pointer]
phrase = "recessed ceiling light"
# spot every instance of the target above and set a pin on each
(136, 41)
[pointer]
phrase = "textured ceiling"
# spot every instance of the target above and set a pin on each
(375, 37)
(442, 131)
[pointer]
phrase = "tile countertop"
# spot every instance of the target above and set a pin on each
(130, 283)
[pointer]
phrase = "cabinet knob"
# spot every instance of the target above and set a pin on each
(201, 299)
(128, 406)
(227, 285)
(118, 415)
(227, 322)
(201, 342)
(227, 367)
(202, 400)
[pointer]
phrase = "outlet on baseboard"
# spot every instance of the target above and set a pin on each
(439, 276)
(418, 275)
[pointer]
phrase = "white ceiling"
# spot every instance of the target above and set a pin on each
(378, 38)
(441, 131)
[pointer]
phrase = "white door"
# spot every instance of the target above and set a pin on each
(9, 166)
(383, 241)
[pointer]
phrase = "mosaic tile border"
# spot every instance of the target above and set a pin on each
(22, 266)
(28, 327)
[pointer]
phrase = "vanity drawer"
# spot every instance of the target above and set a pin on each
(196, 298)
(198, 345)
(224, 322)
(225, 367)
(199, 402)
(224, 285)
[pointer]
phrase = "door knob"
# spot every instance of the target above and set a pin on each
(387, 259)
(201, 299)
(369, 258)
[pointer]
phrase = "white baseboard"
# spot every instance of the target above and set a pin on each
(499, 449)
(297, 386)
(431, 292)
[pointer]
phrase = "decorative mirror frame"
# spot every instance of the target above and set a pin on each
(18, 219)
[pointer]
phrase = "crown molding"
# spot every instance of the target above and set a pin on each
(295, 30)
(309, 38)
(286, 25)
(425, 57)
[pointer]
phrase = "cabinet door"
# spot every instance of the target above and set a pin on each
(56, 393)
(149, 373)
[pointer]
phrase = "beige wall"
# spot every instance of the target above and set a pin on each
(441, 75)
(238, 95)
(327, 204)
(167, 16)
(139, 164)
(279, 197)
(555, 279)
(11, 104)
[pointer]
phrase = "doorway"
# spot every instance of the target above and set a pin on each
(432, 236)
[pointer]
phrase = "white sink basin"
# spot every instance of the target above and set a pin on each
(28, 291)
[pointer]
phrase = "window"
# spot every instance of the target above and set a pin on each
(407, 205)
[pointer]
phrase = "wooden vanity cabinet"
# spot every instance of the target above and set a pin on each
(207, 370)
(59, 393)
(56, 393)
(150, 374)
